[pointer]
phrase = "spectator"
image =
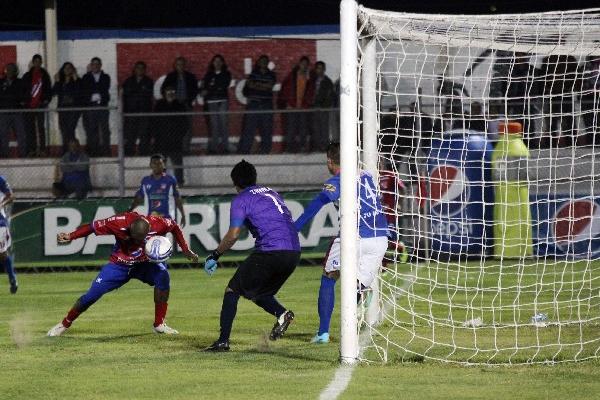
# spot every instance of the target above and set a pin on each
(425, 126)
(292, 97)
(476, 120)
(38, 93)
(72, 174)
(495, 117)
(522, 89)
(258, 89)
(186, 87)
(12, 97)
(68, 90)
(184, 82)
(335, 128)
(137, 98)
(320, 93)
(590, 100)
(559, 74)
(169, 130)
(95, 86)
(216, 99)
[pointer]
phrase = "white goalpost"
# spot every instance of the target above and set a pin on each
(492, 122)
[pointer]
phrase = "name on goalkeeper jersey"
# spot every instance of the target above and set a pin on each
(260, 190)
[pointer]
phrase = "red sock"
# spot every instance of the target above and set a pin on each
(160, 310)
(71, 316)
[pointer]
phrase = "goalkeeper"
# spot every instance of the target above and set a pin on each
(277, 252)
(373, 242)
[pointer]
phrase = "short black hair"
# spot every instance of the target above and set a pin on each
(157, 156)
(36, 56)
(243, 174)
(321, 63)
(96, 59)
(333, 152)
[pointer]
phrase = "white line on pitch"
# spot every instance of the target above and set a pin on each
(343, 374)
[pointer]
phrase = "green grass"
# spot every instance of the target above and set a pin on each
(110, 352)
(428, 315)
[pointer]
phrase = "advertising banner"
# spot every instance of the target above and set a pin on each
(566, 226)
(34, 227)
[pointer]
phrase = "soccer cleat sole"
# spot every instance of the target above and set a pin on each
(279, 329)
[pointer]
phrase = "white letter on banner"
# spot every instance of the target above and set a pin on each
(201, 230)
(51, 229)
(92, 242)
(243, 244)
(318, 229)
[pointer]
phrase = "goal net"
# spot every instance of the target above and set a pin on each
(492, 123)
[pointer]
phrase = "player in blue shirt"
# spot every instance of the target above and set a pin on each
(276, 253)
(372, 231)
(159, 192)
(6, 261)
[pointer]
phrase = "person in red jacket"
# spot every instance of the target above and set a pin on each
(392, 189)
(292, 97)
(38, 93)
(128, 260)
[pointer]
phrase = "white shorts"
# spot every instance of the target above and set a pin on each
(370, 256)
(4, 239)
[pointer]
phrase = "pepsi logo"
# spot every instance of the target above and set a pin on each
(449, 190)
(576, 223)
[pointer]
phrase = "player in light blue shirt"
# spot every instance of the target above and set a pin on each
(6, 260)
(159, 193)
(372, 230)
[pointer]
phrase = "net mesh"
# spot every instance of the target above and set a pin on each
(489, 124)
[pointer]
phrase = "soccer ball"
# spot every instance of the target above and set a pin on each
(158, 249)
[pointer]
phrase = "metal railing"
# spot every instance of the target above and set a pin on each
(116, 167)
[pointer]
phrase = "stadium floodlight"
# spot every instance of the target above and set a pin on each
(476, 290)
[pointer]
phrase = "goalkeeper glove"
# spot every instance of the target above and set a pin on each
(210, 264)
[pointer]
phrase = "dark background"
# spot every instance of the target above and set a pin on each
(89, 14)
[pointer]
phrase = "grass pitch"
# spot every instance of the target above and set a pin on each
(111, 353)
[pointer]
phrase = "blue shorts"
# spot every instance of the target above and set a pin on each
(113, 276)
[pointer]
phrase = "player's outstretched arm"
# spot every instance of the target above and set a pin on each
(179, 205)
(82, 231)
(311, 210)
(178, 234)
(232, 235)
(137, 200)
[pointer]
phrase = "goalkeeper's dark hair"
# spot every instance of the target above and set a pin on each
(333, 152)
(157, 156)
(243, 174)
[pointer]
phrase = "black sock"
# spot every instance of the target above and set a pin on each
(270, 305)
(228, 310)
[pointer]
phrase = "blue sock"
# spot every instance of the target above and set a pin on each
(228, 311)
(10, 270)
(326, 303)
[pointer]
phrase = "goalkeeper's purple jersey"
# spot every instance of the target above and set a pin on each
(267, 217)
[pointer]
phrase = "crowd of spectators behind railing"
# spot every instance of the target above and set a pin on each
(165, 125)
(545, 95)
